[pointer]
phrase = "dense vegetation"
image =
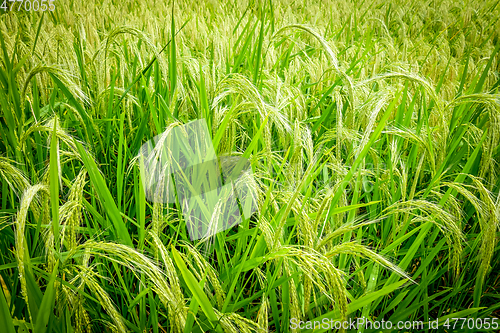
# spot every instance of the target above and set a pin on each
(373, 132)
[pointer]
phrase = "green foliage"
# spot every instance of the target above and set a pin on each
(372, 129)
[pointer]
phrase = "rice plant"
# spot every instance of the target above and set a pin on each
(370, 134)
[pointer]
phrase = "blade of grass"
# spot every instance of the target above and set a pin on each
(97, 180)
(195, 288)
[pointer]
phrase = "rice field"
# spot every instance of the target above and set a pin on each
(371, 136)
